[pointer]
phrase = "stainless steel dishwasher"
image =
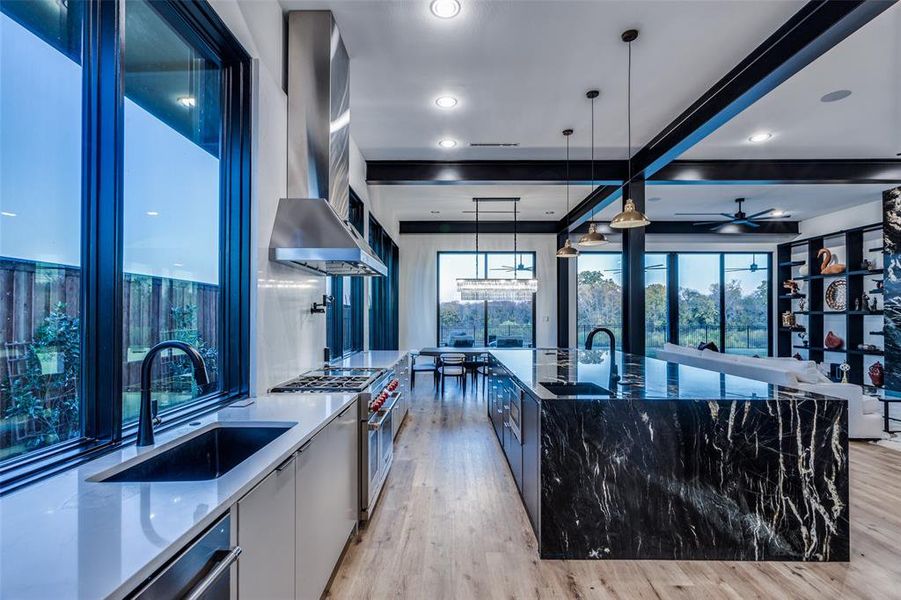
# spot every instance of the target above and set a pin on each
(200, 572)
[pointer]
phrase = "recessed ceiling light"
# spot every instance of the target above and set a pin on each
(177, 265)
(835, 96)
(435, 212)
(187, 101)
(777, 213)
(548, 212)
(447, 143)
(445, 9)
(446, 101)
(654, 199)
(761, 137)
(152, 213)
(7, 213)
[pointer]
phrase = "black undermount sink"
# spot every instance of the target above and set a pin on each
(577, 388)
(207, 456)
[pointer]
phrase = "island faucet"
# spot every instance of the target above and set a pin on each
(589, 342)
(147, 415)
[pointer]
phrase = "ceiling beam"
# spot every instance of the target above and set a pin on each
(778, 172)
(819, 26)
(552, 227)
(414, 227)
(489, 172)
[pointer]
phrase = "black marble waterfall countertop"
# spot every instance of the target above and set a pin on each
(641, 378)
(680, 463)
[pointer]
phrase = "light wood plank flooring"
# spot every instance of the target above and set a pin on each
(450, 524)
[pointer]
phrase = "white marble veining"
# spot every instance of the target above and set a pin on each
(375, 359)
(68, 537)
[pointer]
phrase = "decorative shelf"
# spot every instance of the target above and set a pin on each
(792, 263)
(875, 292)
(793, 329)
(792, 296)
(874, 313)
(867, 272)
(868, 352)
(879, 249)
(877, 333)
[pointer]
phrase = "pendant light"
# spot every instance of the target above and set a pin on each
(631, 216)
(567, 250)
(593, 237)
(473, 288)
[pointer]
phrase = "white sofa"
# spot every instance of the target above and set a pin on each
(864, 417)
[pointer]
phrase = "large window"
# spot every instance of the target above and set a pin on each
(344, 321)
(747, 296)
(384, 308)
(125, 219)
(171, 229)
(699, 299)
(497, 323)
(599, 292)
(722, 298)
(656, 302)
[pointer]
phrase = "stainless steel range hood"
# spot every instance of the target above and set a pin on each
(311, 229)
(310, 235)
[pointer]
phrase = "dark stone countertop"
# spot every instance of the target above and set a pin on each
(641, 378)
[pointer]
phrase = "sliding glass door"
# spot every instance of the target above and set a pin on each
(747, 294)
(599, 292)
(699, 299)
(656, 304)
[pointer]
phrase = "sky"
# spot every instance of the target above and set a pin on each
(40, 163)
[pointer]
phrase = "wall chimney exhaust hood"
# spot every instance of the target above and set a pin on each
(310, 235)
(311, 231)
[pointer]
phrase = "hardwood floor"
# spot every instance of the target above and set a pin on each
(450, 524)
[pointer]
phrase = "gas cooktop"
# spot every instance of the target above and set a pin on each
(330, 379)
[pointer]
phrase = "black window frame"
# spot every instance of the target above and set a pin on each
(534, 255)
(102, 272)
(384, 310)
(335, 318)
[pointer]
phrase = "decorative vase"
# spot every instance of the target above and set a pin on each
(832, 341)
(803, 270)
(788, 319)
(877, 374)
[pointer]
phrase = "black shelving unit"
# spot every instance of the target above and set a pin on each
(857, 280)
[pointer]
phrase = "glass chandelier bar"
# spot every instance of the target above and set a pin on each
(497, 289)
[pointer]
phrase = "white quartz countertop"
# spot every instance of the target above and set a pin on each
(377, 359)
(67, 537)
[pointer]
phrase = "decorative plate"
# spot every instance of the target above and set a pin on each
(837, 295)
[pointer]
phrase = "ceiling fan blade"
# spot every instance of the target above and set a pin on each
(719, 223)
(734, 269)
(701, 214)
(771, 218)
(758, 214)
(751, 224)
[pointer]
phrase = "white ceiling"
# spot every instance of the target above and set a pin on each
(800, 201)
(866, 124)
(416, 202)
(520, 69)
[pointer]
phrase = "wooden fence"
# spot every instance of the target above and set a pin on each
(30, 291)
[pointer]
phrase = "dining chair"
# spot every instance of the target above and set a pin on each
(423, 364)
(451, 365)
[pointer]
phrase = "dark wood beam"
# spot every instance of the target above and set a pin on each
(418, 227)
(819, 26)
(553, 227)
(633, 277)
(470, 172)
(778, 172)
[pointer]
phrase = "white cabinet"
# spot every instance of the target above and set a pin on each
(266, 536)
(326, 502)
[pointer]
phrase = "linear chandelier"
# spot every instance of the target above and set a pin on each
(483, 288)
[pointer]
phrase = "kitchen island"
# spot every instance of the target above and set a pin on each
(670, 462)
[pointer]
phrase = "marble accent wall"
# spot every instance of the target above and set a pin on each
(891, 219)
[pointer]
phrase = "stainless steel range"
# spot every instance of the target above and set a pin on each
(378, 396)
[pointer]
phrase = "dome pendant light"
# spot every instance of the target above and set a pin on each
(593, 237)
(631, 216)
(567, 250)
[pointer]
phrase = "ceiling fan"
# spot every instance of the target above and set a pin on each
(519, 267)
(739, 218)
(647, 268)
(753, 267)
